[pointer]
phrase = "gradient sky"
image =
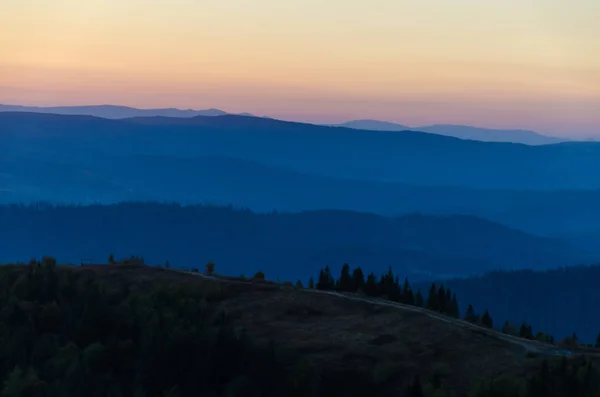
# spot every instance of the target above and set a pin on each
(499, 63)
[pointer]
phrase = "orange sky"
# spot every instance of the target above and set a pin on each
(499, 63)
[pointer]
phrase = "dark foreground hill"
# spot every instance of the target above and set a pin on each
(291, 246)
(133, 330)
(408, 157)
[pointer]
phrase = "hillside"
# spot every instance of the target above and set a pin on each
(129, 330)
(291, 246)
(411, 157)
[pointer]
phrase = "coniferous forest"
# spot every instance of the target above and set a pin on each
(70, 332)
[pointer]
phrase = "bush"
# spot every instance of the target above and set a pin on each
(259, 275)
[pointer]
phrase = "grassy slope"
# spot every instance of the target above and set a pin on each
(347, 335)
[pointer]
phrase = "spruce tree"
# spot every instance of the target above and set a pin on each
(371, 285)
(470, 314)
(455, 309)
(358, 279)
(419, 298)
(432, 299)
(345, 282)
(322, 282)
(442, 306)
(409, 297)
(311, 283)
(405, 289)
(486, 320)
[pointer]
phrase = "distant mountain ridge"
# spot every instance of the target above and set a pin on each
(288, 245)
(115, 112)
(459, 131)
(411, 157)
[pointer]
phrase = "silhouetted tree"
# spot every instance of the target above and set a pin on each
(210, 268)
(371, 285)
(455, 312)
(442, 306)
(419, 298)
(486, 320)
(311, 283)
(358, 279)
(509, 329)
(326, 281)
(345, 281)
(470, 314)
(409, 297)
(526, 331)
(432, 299)
(299, 284)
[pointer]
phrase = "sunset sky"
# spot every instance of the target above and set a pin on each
(531, 64)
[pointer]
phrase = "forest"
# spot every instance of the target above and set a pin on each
(68, 332)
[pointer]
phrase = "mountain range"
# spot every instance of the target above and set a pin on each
(458, 131)
(287, 245)
(265, 165)
(410, 157)
(114, 112)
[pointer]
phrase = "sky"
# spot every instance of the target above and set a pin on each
(531, 64)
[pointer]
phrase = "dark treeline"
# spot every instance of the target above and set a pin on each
(388, 286)
(438, 298)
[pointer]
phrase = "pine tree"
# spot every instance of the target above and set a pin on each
(455, 309)
(597, 346)
(358, 280)
(345, 282)
(470, 314)
(299, 284)
(486, 320)
(322, 282)
(448, 301)
(405, 289)
(432, 299)
(409, 297)
(442, 306)
(526, 331)
(396, 291)
(509, 329)
(210, 268)
(311, 283)
(371, 285)
(419, 298)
